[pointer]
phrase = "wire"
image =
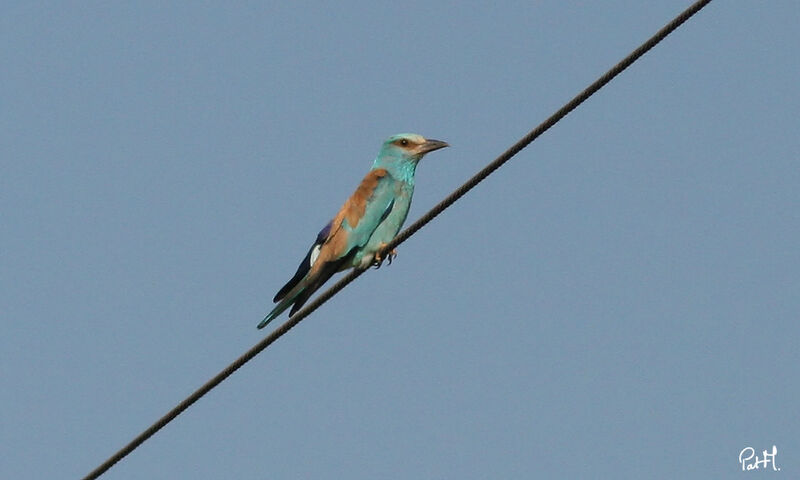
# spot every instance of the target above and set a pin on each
(401, 237)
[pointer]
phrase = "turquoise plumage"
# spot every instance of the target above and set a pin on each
(367, 221)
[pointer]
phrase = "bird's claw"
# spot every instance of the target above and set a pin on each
(378, 260)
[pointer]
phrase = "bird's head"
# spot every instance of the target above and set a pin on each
(409, 146)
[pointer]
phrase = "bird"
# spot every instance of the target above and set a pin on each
(365, 224)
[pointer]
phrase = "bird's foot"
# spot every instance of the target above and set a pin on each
(378, 259)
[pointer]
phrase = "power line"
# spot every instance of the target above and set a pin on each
(402, 236)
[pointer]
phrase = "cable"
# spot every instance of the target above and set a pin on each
(401, 237)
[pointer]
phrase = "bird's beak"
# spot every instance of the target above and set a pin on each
(431, 145)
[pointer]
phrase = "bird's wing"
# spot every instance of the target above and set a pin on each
(361, 214)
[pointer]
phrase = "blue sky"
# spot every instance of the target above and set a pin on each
(621, 300)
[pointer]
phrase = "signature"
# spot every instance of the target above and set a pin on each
(751, 461)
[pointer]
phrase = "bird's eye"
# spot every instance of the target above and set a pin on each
(404, 142)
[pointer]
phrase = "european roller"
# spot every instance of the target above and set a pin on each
(367, 221)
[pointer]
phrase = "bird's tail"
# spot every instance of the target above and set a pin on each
(279, 308)
(301, 292)
(297, 297)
